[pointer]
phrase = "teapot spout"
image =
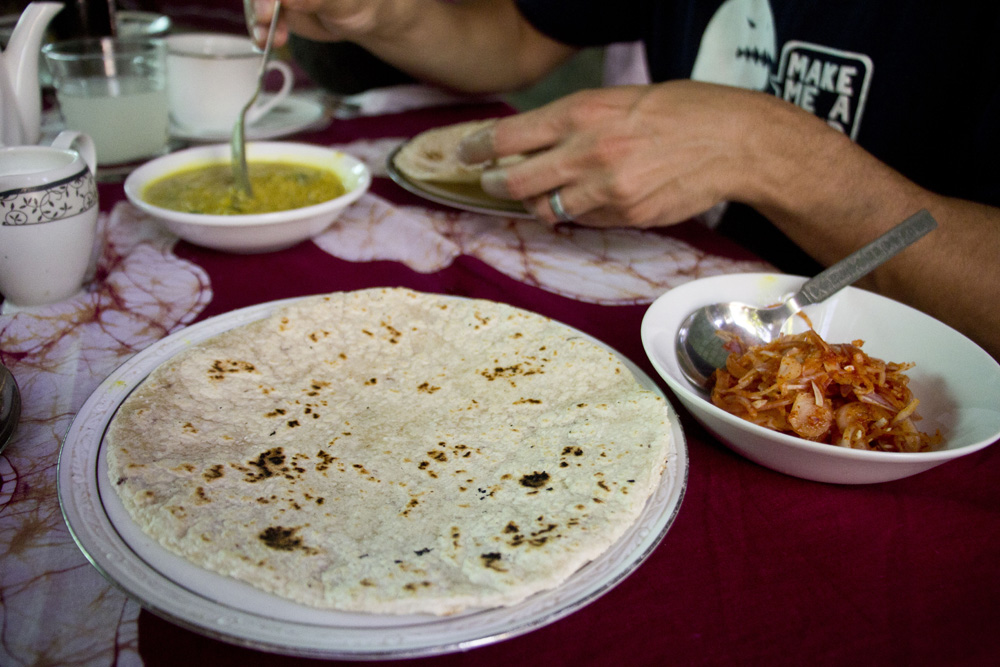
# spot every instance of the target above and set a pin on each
(20, 95)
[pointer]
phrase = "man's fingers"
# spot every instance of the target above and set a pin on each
(477, 147)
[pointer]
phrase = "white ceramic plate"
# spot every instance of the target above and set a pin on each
(467, 197)
(294, 114)
(232, 611)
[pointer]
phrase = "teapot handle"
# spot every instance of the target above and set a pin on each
(81, 143)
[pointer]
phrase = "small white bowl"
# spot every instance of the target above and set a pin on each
(257, 233)
(956, 381)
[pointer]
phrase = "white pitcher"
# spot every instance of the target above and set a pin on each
(20, 93)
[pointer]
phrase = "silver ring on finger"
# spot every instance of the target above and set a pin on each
(555, 202)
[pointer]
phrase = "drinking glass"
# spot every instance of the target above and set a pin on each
(115, 91)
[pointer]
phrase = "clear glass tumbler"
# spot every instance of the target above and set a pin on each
(115, 91)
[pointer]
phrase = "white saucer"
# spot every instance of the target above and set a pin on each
(294, 114)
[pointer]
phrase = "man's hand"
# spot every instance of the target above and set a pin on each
(626, 156)
(319, 20)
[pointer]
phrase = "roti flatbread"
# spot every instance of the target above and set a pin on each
(390, 451)
(433, 155)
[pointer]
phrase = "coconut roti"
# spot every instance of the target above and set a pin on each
(392, 452)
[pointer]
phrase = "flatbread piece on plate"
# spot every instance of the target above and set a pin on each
(433, 155)
(392, 452)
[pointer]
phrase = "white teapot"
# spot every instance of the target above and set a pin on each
(20, 94)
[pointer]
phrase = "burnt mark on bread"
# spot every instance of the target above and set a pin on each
(214, 472)
(280, 538)
(268, 464)
(535, 480)
(491, 561)
(220, 368)
(514, 370)
(394, 334)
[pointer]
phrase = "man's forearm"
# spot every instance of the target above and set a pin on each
(830, 197)
(476, 46)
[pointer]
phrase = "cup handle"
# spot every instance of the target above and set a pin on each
(81, 143)
(263, 105)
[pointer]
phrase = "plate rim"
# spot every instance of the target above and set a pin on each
(101, 543)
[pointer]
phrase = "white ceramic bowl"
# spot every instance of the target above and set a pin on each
(263, 232)
(956, 381)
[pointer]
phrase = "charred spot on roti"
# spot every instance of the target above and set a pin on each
(514, 370)
(492, 560)
(393, 333)
(325, 459)
(222, 367)
(214, 472)
(268, 464)
(410, 506)
(414, 586)
(570, 451)
(361, 470)
(535, 480)
(315, 387)
(280, 538)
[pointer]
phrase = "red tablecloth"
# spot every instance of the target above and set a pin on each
(758, 567)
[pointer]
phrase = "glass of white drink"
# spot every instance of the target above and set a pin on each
(115, 91)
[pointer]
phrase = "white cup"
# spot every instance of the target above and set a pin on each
(211, 76)
(48, 218)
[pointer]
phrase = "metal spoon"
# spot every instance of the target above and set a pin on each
(241, 173)
(700, 350)
(10, 406)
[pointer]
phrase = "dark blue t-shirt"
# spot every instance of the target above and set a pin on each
(914, 82)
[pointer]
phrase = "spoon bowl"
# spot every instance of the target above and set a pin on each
(700, 349)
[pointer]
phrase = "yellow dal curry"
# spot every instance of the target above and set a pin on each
(277, 186)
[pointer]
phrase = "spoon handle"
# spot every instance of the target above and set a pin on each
(237, 142)
(862, 261)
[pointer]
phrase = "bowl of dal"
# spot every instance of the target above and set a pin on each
(298, 191)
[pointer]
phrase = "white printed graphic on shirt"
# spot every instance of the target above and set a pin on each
(829, 83)
(738, 49)
(749, 25)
